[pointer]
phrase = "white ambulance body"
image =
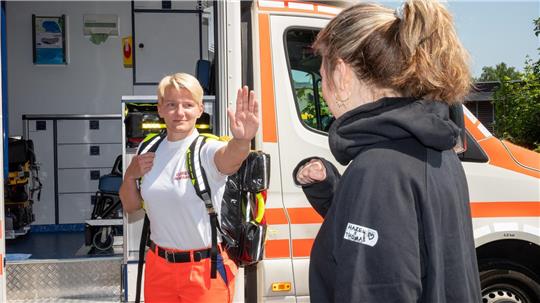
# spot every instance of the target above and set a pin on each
(266, 44)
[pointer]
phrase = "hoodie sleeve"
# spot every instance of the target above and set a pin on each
(320, 194)
(377, 236)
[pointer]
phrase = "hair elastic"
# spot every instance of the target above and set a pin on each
(398, 13)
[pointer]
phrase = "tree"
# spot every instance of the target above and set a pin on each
(517, 105)
(537, 33)
(517, 109)
(498, 73)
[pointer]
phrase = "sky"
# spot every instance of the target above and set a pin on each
(494, 31)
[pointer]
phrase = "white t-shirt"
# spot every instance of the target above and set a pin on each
(178, 217)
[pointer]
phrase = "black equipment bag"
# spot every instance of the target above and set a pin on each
(16, 193)
(22, 164)
(242, 208)
(20, 212)
(20, 151)
(242, 227)
(141, 121)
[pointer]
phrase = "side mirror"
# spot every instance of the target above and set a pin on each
(456, 115)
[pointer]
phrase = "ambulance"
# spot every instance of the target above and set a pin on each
(266, 44)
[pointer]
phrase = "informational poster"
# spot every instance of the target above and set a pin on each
(49, 39)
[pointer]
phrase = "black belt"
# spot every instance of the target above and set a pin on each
(179, 256)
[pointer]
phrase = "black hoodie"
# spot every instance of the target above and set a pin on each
(397, 224)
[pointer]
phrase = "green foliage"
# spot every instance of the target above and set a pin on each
(306, 104)
(308, 110)
(306, 97)
(517, 108)
(498, 73)
(536, 65)
(517, 103)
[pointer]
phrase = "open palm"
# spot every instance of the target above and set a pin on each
(245, 121)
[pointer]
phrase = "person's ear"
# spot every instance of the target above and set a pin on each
(342, 78)
(159, 108)
(201, 109)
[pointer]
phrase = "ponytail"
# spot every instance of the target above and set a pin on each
(413, 50)
(436, 61)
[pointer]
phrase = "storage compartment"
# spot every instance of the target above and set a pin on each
(89, 131)
(73, 152)
(75, 208)
(76, 180)
(87, 155)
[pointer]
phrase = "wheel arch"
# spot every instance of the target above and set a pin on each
(522, 252)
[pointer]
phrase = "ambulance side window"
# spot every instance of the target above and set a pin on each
(305, 78)
(473, 153)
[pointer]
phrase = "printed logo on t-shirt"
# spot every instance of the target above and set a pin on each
(361, 234)
(181, 175)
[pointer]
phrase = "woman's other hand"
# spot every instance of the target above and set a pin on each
(312, 172)
(245, 121)
(139, 166)
(129, 191)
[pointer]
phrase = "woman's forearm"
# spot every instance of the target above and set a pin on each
(130, 195)
(230, 157)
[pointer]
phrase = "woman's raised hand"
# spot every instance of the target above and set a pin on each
(245, 121)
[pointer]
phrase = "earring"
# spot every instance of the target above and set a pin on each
(342, 103)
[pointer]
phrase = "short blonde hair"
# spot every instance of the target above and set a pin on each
(413, 50)
(178, 81)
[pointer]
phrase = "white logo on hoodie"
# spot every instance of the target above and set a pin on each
(361, 234)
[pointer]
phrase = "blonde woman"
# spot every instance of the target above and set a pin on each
(397, 224)
(179, 221)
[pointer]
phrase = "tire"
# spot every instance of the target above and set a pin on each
(505, 282)
(103, 242)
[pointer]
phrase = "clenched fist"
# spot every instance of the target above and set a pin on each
(139, 166)
(311, 172)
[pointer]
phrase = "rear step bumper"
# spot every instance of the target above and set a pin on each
(71, 280)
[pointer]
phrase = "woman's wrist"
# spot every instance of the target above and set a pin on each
(130, 177)
(244, 142)
(240, 145)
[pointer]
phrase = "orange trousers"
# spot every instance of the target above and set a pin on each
(166, 282)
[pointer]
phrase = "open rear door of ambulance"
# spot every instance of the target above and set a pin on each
(295, 123)
(2, 215)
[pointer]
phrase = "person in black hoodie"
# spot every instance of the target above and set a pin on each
(397, 224)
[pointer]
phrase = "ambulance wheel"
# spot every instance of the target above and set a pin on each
(103, 239)
(507, 282)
